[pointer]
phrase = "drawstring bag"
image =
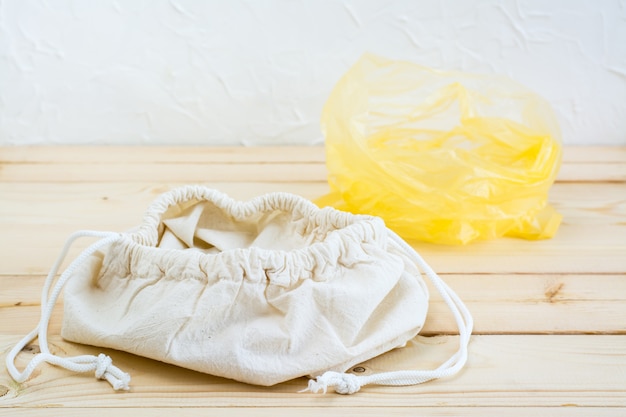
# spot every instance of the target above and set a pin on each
(260, 292)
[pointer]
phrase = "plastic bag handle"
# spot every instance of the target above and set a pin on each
(101, 364)
(346, 383)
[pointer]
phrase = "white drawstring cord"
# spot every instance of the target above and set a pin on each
(345, 383)
(101, 364)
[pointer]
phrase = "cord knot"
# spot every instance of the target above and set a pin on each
(102, 365)
(118, 379)
(342, 382)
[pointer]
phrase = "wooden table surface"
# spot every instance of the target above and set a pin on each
(550, 316)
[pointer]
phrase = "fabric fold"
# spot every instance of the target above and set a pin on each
(261, 291)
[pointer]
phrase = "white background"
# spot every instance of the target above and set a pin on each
(258, 72)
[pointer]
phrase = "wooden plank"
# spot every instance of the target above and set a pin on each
(241, 154)
(492, 318)
(593, 164)
(526, 297)
(542, 288)
(602, 251)
(500, 304)
(192, 172)
(606, 205)
(599, 216)
(589, 172)
(502, 371)
(565, 410)
(602, 154)
(22, 202)
(577, 249)
(162, 154)
(74, 164)
(112, 202)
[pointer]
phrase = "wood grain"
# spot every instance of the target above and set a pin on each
(550, 316)
(565, 410)
(546, 371)
(591, 248)
(166, 154)
(109, 202)
(500, 304)
(97, 164)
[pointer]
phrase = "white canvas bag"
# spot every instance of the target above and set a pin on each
(261, 292)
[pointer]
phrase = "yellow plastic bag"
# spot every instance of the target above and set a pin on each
(443, 157)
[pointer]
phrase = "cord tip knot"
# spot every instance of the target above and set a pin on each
(102, 365)
(118, 379)
(342, 382)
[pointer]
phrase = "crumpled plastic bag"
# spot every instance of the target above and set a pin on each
(443, 157)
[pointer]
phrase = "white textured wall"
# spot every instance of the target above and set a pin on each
(259, 72)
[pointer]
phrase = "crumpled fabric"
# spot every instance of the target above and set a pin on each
(261, 292)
